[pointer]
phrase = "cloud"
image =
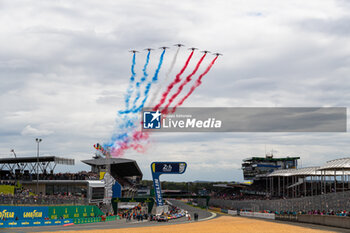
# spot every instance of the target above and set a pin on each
(64, 69)
(30, 131)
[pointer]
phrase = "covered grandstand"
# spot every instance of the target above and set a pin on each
(310, 181)
(125, 171)
(33, 180)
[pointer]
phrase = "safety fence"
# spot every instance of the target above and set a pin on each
(244, 213)
(257, 215)
(330, 201)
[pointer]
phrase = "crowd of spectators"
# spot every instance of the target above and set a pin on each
(342, 213)
(66, 176)
(230, 195)
(7, 182)
(26, 197)
(138, 213)
(83, 175)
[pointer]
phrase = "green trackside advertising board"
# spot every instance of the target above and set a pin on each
(56, 212)
(92, 220)
(86, 220)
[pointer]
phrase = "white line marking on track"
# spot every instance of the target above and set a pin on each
(139, 222)
(213, 215)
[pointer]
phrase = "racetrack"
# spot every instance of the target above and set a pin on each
(221, 224)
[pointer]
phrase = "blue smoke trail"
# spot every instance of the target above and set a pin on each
(132, 80)
(147, 89)
(149, 84)
(124, 125)
(143, 79)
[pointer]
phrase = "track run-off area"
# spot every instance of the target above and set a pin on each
(222, 224)
(209, 222)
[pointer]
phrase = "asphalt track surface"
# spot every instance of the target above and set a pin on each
(122, 224)
(202, 215)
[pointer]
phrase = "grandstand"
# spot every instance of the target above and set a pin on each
(309, 189)
(125, 171)
(310, 181)
(22, 185)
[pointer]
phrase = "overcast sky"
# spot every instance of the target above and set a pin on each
(65, 66)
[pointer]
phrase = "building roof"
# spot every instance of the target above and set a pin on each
(119, 166)
(307, 171)
(337, 165)
(266, 159)
(34, 159)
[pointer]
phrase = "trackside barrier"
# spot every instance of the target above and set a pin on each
(225, 211)
(33, 223)
(23, 212)
(337, 201)
(264, 215)
(287, 217)
(258, 215)
(328, 220)
(92, 220)
(87, 220)
(110, 218)
(83, 211)
(232, 212)
(246, 214)
(215, 208)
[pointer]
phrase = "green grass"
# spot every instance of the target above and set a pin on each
(7, 189)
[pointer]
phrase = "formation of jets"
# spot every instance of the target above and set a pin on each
(177, 45)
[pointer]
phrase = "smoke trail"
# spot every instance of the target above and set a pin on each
(197, 83)
(172, 84)
(154, 96)
(134, 142)
(122, 141)
(187, 80)
(149, 84)
(132, 79)
(142, 80)
(125, 124)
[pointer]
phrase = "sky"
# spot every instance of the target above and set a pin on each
(65, 66)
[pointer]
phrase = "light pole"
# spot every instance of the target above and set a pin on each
(38, 140)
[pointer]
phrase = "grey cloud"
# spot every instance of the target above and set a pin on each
(64, 67)
(330, 27)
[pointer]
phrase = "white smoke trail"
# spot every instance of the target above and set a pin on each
(159, 86)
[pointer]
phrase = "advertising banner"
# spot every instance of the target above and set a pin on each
(57, 212)
(33, 223)
(23, 212)
(159, 168)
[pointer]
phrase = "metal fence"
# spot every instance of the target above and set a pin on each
(330, 201)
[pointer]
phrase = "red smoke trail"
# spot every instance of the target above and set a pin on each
(136, 145)
(188, 79)
(197, 83)
(173, 83)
